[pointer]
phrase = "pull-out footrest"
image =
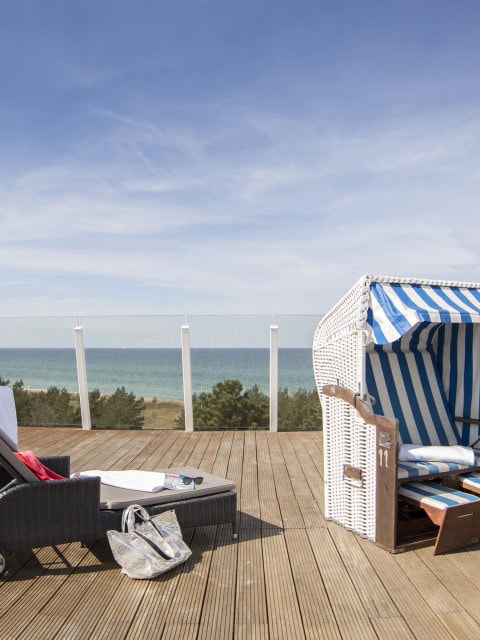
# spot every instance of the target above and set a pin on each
(457, 514)
(471, 482)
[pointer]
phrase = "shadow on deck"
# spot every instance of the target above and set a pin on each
(291, 574)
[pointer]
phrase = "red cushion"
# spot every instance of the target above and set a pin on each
(33, 463)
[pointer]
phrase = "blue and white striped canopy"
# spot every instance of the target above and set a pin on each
(423, 357)
(395, 308)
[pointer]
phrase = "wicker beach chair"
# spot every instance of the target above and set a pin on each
(397, 362)
(35, 513)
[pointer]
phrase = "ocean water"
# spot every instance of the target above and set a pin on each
(155, 373)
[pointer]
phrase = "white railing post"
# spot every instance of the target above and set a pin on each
(187, 378)
(273, 378)
(82, 379)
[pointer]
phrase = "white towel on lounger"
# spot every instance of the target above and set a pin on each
(452, 453)
(128, 479)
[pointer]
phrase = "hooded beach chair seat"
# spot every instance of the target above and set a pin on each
(407, 385)
(396, 362)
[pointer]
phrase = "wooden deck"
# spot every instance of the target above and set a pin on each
(290, 575)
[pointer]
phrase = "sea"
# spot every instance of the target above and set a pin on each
(155, 373)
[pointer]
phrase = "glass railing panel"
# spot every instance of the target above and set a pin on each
(229, 347)
(132, 357)
(134, 368)
(230, 371)
(37, 358)
(135, 362)
(51, 332)
(298, 402)
(237, 348)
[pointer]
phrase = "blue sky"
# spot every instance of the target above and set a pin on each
(211, 156)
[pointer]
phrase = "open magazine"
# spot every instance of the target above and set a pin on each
(179, 481)
(151, 481)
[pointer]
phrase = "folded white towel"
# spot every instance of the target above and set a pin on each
(453, 453)
(129, 479)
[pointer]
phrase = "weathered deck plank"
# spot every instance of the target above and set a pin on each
(317, 613)
(218, 611)
(350, 614)
(284, 617)
(251, 604)
(418, 615)
(291, 574)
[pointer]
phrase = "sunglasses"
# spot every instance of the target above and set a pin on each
(189, 479)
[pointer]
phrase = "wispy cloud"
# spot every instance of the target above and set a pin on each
(383, 187)
(243, 176)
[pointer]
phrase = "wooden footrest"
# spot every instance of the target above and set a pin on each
(471, 481)
(457, 514)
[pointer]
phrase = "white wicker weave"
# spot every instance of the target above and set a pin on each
(339, 358)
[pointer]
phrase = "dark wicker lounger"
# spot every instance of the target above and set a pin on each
(37, 513)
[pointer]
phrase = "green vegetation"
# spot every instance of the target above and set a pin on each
(300, 411)
(228, 406)
(56, 407)
(121, 409)
(50, 407)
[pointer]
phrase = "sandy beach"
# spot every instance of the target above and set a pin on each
(161, 413)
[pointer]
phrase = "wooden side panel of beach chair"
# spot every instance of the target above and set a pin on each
(386, 454)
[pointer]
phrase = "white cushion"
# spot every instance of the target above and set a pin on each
(452, 453)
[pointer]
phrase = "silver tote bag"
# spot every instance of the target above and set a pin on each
(148, 546)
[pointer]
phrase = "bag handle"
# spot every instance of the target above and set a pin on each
(128, 516)
(159, 550)
(128, 525)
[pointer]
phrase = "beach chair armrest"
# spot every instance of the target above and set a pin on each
(354, 399)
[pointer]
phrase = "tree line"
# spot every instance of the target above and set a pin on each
(59, 407)
(227, 405)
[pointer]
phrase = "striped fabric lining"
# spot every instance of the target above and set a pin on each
(454, 349)
(434, 495)
(422, 364)
(457, 348)
(407, 386)
(397, 307)
(471, 481)
(407, 470)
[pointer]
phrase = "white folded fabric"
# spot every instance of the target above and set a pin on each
(129, 479)
(452, 453)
